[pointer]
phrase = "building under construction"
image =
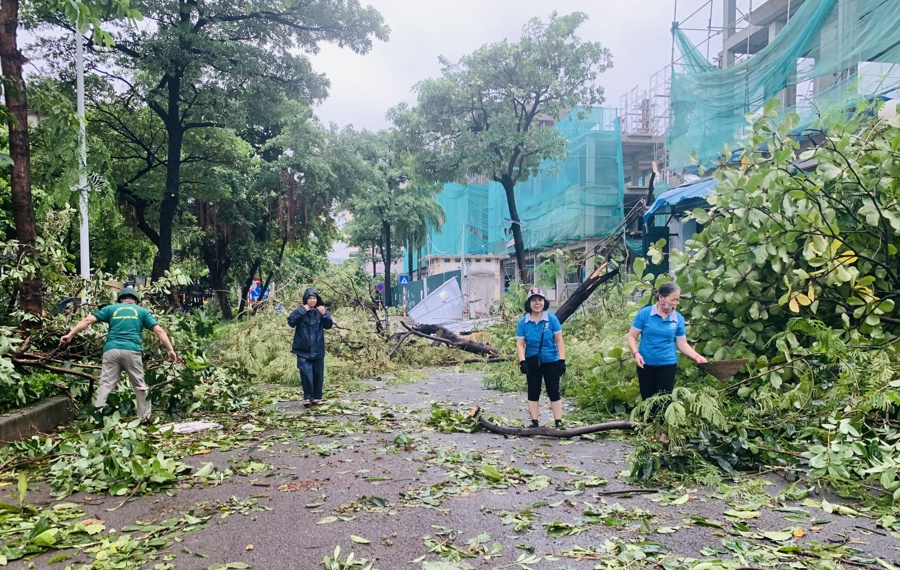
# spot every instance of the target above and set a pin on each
(816, 56)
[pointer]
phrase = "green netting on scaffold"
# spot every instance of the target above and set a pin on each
(830, 53)
(579, 197)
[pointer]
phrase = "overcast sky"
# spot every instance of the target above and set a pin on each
(364, 87)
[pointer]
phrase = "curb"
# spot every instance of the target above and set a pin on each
(42, 417)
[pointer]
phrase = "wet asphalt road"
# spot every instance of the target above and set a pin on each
(382, 490)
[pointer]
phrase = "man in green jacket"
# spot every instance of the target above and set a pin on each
(124, 348)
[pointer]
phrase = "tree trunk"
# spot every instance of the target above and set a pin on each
(168, 207)
(386, 255)
(409, 255)
(224, 302)
(509, 187)
(268, 281)
(218, 263)
(599, 276)
(11, 60)
(245, 290)
(421, 270)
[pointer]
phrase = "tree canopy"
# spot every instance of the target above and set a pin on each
(484, 115)
(202, 66)
(818, 243)
(394, 204)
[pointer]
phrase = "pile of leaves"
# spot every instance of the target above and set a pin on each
(29, 531)
(117, 458)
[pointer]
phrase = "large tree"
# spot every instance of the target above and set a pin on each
(82, 15)
(306, 172)
(482, 117)
(426, 213)
(393, 203)
(202, 65)
(17, 123)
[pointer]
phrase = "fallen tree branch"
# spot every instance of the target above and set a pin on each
(627, 492)
(474, 361)
(164, 383)
(38, 357)
(80, 364)
(550, 432)
(423, 335)
(492, 359)
(57, 369)
(402, 339)
(599, 276)
(438, 333)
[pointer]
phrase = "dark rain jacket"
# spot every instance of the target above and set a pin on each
(309, 332)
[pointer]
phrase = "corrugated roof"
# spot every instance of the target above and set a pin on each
(699, 189)
(443, 305)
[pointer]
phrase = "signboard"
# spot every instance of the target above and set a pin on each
(380, 287)
(404, 280)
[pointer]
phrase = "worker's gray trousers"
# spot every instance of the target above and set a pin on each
(114, 362)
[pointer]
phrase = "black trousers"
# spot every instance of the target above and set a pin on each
(656, 379)
(312, 377)
(549, 374)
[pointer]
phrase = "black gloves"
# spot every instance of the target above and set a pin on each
(562, 366)
(523, 367)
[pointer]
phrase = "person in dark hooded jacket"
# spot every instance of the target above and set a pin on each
(309, 322)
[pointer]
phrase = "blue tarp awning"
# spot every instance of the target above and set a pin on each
(699, 189)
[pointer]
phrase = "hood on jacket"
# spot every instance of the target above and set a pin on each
(311, 293)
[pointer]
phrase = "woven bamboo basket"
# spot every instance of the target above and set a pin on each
(723, 369)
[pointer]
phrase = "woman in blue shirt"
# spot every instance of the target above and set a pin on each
(542, 354)
(661, 330)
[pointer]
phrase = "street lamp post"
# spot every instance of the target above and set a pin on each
(84, 233)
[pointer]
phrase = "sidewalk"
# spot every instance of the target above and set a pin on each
(42, 417)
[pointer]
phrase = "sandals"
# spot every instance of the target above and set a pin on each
(317, 402)
(307, 403)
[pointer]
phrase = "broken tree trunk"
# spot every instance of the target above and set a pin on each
(600, 275)
(438, 333)
(603, 250)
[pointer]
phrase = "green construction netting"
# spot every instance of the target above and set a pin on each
(579, 197)
(832, 52)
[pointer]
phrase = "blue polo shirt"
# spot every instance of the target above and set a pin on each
(658, 335)
(531, 332)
